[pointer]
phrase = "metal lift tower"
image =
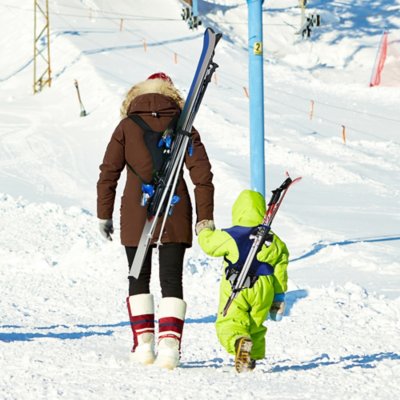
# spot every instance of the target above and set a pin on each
(41, 52)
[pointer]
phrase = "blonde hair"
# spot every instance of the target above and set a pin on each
(150, 86)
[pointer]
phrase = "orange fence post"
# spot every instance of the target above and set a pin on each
(312, 109)
(344, 134)
(144, 45)
(246, 92)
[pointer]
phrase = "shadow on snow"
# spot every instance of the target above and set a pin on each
(350, 361)
(317, 247)
(29, 336)
(292, 297)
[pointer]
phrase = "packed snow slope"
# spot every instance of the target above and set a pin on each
(64, 330)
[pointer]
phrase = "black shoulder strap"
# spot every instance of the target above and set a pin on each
(139, 121)
(143, 125)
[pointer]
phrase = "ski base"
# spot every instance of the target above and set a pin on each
(142, 249)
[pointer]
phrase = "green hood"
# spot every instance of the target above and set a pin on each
(248, 209)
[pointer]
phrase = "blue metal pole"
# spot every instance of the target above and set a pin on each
(195, 8)
(256, 92)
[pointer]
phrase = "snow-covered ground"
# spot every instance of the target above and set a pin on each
(64, 330)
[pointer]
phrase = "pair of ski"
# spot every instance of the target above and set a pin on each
(161, 203)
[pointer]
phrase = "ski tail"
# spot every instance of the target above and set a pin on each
(277, 197)
(202, 77)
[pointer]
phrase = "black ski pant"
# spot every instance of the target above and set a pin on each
(171, 257)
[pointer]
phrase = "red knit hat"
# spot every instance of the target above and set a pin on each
(161, 75)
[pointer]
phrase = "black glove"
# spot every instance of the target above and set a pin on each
(106, 228)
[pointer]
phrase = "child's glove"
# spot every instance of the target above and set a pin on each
(205, 223)
(106, 228)
(278, 307)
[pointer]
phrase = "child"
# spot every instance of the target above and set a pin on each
(241, 332)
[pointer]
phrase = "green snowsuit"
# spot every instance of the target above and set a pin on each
(250, 309)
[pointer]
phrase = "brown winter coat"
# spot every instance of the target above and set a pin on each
(127, 146)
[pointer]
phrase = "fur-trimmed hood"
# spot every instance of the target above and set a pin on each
(159, 86)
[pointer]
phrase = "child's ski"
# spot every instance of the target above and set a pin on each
(259, 238)
(163, 198)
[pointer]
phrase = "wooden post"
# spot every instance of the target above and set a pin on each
(144, 45)
(83, 111)
(175, 58)
(312, 109)
(344, 134)
(121, 25)
(246, 92)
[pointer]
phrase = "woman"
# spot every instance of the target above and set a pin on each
(153, 105)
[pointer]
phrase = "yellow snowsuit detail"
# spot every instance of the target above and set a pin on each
(250, 308)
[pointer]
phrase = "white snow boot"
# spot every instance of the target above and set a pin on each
(141, 316)
(171, 319)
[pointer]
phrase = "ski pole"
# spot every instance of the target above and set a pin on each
(83, 111)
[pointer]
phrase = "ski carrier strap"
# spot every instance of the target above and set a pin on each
(157, 143)
(243, 237)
